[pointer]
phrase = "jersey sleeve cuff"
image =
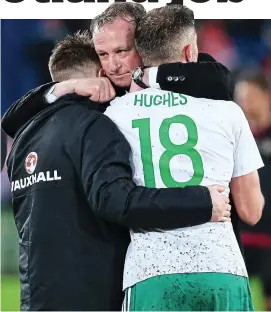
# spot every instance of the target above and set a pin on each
(49, 96)
(152, 78)
(247, 171)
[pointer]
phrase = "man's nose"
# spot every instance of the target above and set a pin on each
(114, 64)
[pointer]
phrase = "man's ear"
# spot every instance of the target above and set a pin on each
(188, 53)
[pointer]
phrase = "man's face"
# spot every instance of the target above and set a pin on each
(114, 43)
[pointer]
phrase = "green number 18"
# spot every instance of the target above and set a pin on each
(172, 150)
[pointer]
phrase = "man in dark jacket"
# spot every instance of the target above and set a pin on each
(72, 192)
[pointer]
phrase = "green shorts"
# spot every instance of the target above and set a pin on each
(190, 292)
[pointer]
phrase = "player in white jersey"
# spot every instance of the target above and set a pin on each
(176, 141)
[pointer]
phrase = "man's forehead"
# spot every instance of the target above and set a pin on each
(120, 31)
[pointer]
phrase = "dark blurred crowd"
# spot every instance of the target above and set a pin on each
(244, 46)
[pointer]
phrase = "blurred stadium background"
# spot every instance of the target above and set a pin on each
(26, 46)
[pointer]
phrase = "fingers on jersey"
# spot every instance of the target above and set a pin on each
(220, 202)
(225, 219)
(219, 188)
(226, 198)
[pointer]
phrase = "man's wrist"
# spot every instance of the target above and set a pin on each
(65, 87)
(60, 89)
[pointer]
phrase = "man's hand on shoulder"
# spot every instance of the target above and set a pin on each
(97, 89)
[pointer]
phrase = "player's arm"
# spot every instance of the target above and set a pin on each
(248, 198)
(107, 180)
(97, 89)
(204, 79)
(24, 109)
(245, 183)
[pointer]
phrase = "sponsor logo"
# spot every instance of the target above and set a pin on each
(31, 162)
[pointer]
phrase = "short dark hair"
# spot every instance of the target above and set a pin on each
(255, 76)
(72, 53)
(130, 11)
(159, 32)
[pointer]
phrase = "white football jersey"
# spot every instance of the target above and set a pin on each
(177, 141)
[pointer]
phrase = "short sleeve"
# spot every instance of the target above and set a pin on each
(247, 157)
